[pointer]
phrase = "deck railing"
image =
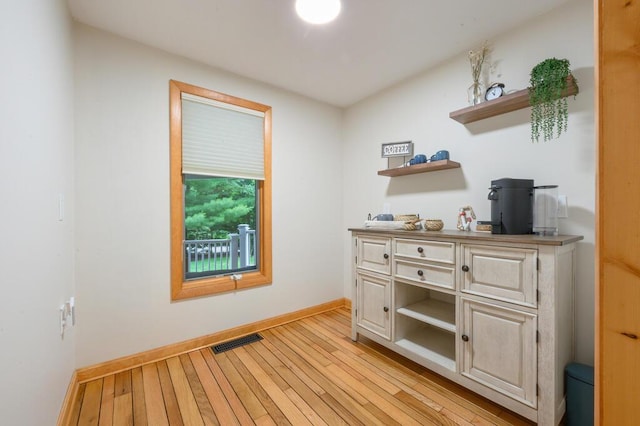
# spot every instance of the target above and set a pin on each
(233, 253)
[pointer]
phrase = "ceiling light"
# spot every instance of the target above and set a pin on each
(318, 11)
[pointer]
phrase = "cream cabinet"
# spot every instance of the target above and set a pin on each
(373, 297)
(499, 349)
(493, 313)
(373, 285)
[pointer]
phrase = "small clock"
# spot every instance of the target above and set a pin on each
(494, 91)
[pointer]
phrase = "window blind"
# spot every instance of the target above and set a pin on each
(220, 139)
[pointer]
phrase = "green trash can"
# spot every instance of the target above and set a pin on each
(579, 386)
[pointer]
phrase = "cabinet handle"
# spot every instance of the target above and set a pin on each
(420, 250)
(386, 256)
(386, 309)
(465, 338)
(465, 268)
(421, 274)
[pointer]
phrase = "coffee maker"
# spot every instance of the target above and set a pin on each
(511, 206)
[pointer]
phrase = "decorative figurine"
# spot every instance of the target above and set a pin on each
(464, 221)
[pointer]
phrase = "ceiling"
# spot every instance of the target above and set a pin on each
(372, 45)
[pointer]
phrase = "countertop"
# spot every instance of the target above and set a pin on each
(448, 235)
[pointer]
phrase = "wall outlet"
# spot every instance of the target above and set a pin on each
(67, 315)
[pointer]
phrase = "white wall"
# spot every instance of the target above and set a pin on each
(36, 253)
(494, 148)
(122, 175)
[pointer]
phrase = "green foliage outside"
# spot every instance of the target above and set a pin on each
(215, 206)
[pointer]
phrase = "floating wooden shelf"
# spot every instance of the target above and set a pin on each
(507, 103)
(420, 168)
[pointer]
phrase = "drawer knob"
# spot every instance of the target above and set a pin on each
(465, 338)
(386, 256)
(386, 309)
(420, 250)
(465, 268)
(420, 272)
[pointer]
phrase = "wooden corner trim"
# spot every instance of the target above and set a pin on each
(70, 401)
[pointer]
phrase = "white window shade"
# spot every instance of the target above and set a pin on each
(220, 139)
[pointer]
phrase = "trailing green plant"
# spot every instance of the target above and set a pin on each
(549, 109)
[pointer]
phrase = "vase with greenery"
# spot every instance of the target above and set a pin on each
(549, 109)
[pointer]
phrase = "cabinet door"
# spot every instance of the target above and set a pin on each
(504, 273)
(499, 349)
(373, 254)
(373, 310)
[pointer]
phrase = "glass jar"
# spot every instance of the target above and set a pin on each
(475, 93)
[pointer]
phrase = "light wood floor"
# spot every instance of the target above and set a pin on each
(305, 372)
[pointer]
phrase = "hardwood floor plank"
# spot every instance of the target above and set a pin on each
(139, 407)
(169, 395)
(339, 339)
(156, 412)
(444, 401)
(123, 410)
(236, 405)
(285, 405)
(347, 402)
(186, 401)
(90, 412)
(381, 376)
(204, 406)
(310, 414)
(123, 383)
(106, 405)
(245, 392)
(305, 351)
(274, 359)
(381, 399)
(288, 365)
(434, 415)
(269, 369)
(319, 359)
(213, 392)
(269, 404)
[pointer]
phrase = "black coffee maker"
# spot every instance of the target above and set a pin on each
(511, 206)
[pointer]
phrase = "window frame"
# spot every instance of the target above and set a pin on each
(180, 287)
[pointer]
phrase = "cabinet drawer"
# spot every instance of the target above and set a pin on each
(426, 273)
(374, 254)
(502, 273)
(434, 251)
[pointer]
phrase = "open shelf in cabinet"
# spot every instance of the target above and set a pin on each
(433, 312)
(507, 103)
(431, 166)
(426, 305)
(430, 343)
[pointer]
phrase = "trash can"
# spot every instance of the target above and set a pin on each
(579, 385)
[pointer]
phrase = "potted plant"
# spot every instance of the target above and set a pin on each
(549, 108)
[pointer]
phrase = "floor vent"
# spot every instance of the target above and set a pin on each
(236, 343)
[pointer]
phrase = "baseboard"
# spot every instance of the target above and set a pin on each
(86, 374)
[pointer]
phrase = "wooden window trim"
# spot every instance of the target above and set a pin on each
(181, 288)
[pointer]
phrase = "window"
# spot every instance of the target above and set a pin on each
(220, 189)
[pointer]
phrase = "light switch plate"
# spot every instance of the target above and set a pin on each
(563, 206)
